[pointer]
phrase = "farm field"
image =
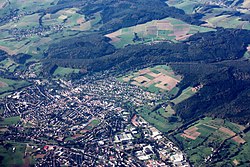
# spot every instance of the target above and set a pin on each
(189, 6)
(9, 121)
(226, 21)
(164, 119)
(156, 79)
(8, 85)
(157, 30)
(8, 65)
(205, 136)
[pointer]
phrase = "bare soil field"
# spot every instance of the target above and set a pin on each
(227, 131)
(3, 84)
(191, 133)
(238, 139)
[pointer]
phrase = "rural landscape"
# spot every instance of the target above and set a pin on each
(125, 83)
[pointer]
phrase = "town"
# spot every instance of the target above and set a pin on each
(89, 122)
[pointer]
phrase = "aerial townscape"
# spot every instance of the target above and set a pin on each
(125, 83)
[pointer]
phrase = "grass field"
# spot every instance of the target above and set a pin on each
(247, 54)
(92, 124)
(157, 30)
(161, 118)
(62, 71)
(188, 6)
(11, 85)
(8, 65)
(186, 93)
(10, 121)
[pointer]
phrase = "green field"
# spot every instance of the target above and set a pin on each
(62, 71)
(214, 16)
(188, 6)
(163, 119)
(92, 124)
(247, 54)
(186, 93)
(157, 30)
(10, 121)
(11, 85)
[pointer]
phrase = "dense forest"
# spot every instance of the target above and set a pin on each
(226, 91)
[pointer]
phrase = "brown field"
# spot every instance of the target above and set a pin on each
(6, 49)
(142, 79)
(145, 71)
(114, 36)
(127, 79)
(238, 139)
(3, 84)
(40, 156)
(134, 121)
(246, 4)
(181, 32)
(164, 25)
(162, 80)
(191, 133)
(2, 4)
(227, 131)
(151, 30)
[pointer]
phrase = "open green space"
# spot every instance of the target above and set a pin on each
(164, 119)
(157, 78)
(186, 93)
(62, 71)
(92, 124)
(10, 121)
(11, 85)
